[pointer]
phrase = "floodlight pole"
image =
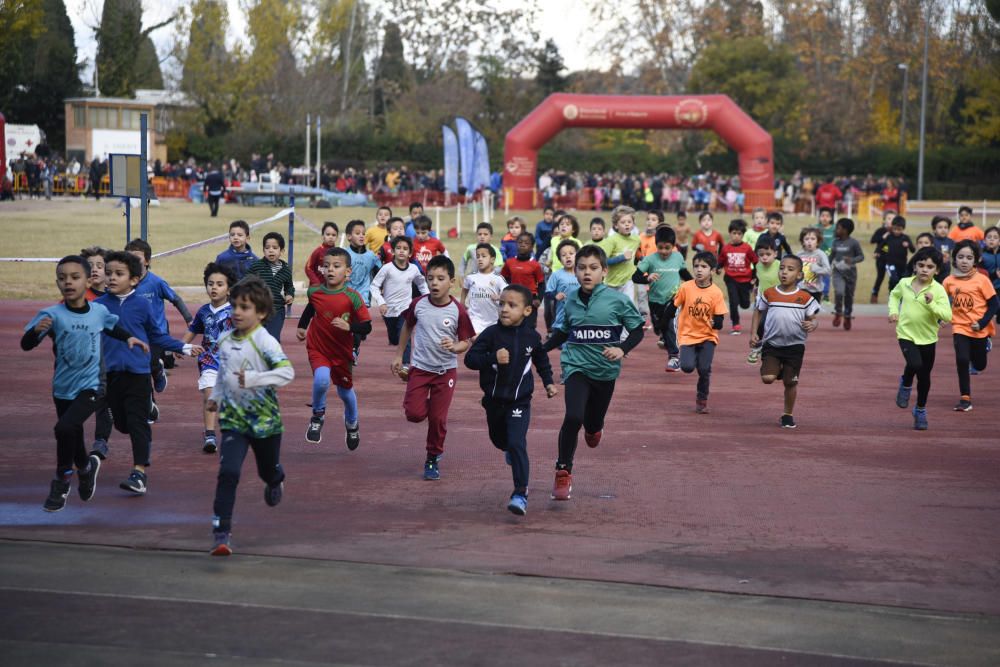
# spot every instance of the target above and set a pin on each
(128, 220)
(902, 120)
(143, 181)
(319, 145)
(308, 149)
(291, 234)
(923, 110)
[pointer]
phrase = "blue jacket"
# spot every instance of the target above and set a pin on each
(512, 382)
(239, 262)
(136, 316)
(991, 262)
(155, 290)
(543, 236)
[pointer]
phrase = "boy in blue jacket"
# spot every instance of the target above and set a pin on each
(238, 256)
(128, 392)
(503, 354)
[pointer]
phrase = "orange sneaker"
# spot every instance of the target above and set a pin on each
(563, 487)
(592, 439)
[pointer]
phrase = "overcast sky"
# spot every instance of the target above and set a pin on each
(562, 20)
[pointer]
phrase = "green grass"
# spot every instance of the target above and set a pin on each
(64, 226)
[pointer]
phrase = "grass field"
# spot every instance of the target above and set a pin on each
(64, 226)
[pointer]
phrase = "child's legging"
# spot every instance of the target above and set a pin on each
(968, 350)
(739, 297)
(587, 402)
(321, 385)
(71, 414)
(699, 356)
(879, 274)
(394, 327)
(919, 364)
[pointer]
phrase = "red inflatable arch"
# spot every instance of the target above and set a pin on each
(674, 112)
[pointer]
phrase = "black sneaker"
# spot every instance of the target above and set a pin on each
(57, 496)
(136, 483)
(272, 494)
(353, 436)
(99, 448)
(154, 413)
(88, 479)
(963, 405)
(160, 379)
(210, 446)
(787, 421)
(314, 433)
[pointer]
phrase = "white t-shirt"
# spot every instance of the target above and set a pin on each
(484, 288)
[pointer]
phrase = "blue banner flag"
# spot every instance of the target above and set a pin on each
(450, 159)
(466, 152)
(481, 170)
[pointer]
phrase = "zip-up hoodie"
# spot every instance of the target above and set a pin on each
(135, 316)
(239, 262)
(512, 382)
(991, 263)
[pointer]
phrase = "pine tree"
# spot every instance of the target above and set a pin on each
(548, 65)
(394, 75)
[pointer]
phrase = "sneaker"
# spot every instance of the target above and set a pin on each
(964, 404)
(847, 323)
(673, 365)
(920, 418)
(160, 379)
(973, 370)
(88, 479)
(989, 345)
(99, 448)
(787, 421)
(136, 483)
(754, 355)
(592, 439)
(431, 471)
(903, 395)
(701, 406)
(354, 356)
(563, 487)
(874, 299)
(737, 330)
(404, 373)
(154, 413)
(210, 446)
(273, 493)
(660, 344)
(353, 436)
(220, 545)
(314, 433)
(518, 505)
(837, 319)
(57, 496)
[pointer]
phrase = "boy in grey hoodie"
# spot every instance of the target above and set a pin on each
(845, 253)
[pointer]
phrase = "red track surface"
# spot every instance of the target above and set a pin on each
(852, 506)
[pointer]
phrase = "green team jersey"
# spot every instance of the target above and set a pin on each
(621, 273)
(593, 326)
(750, 237)
(470, 256)
(767, 275)
(669, 269)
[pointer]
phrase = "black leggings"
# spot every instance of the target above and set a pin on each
(70, 449)
(739, 297)
(128, 397)
(662, 317)
(587, 402)
(919, 363)
(968, 351)
(879, 274)
(232, 452)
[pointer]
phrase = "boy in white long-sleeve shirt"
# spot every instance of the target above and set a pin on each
(392, 290)
(251, 365)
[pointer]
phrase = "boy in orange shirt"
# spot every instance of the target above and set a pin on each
(701, 308)
(974, 304)
(966, 229)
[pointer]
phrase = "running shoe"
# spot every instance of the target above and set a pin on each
(160, 378)
(701, 406)
(837, 319)
(220, 543)
(314, 433)
(754, 355)
(518, 505)
(660, 344)
(100, 448)
(920, 418)
(273, 493)
(964, 404)
(353, 436)
(431, 471)
(563, 487)
(154, 413)
(88, 479)
(787, 421)
(57, 496)
(673, 365)
(136, 483)
(210, 446)
(847, 323)
(903, 395)
(404, 373)
(874, 298)
(737, 330)
(592, 439)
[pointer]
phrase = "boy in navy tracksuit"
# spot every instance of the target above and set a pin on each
(503, 354)
(129, 392)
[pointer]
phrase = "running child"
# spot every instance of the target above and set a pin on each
(484, 234)
(314, 265)
(974, 305)
(544, 230)
(662, 272)
(701, 308)
(791, 316)
(966, 229)
(706, 239)
(330, 324)
(397, 228)
(599, 234)
(378, 233)
(917, 306)
(503, 354)
(251, 366)
(481, 290)
(878, 238)
(683, 233)
(647, 247)
(392, 291)
(829, 233)
(563, 281)
(845, 255)
(75, 326)
(591, 325)
(364, 265)
(773, 235)
(238, 256)
(765, 276)
(425, 246)
(621, 253)
(895, 249)
(508, 244)
(441, 330)
(95, 257)
(991, 256)
(211, 321)
(815, 262)
(524, 270)
(941, 226)
(567, 228)
(759, 224)
(277, 275)
(737, 260)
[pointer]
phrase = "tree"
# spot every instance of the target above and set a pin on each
(394, 75)
(126, 58)
(548, 67)
(147, 66)
(207, 72)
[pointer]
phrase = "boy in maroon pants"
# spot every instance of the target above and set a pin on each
(441, 330)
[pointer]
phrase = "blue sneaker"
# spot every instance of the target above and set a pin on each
(972, 370)
(431, 472)
(507, 458)
(903, 395)
(920, 418)
(160, 379)
(518, 504)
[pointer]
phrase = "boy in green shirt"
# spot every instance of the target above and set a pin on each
(765, 276)
(484, 234)
(663, 272)
(621, 252)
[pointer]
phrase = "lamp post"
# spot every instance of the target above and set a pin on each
(923, 109)
(902, 118)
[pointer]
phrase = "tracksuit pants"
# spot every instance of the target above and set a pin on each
(508, 427)
(699, 357)
(232, 452)
(70, 447)
(739, 297)
(844, 285)
(428, 396)
(128, 396)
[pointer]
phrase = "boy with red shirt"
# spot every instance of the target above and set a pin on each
(328, 325)
(707, 239)
(314, 265)
(828, 195)
(425, 246)
(737, 260)
(524, 270)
